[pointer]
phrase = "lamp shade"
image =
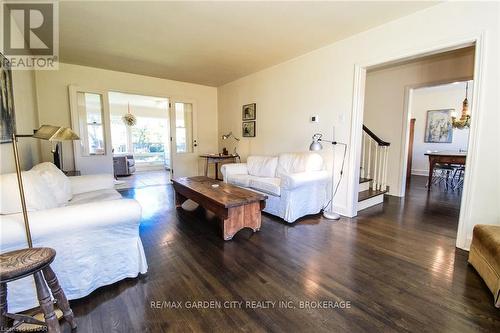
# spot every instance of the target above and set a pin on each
(316, 144)
(228, 135)
(55, 133)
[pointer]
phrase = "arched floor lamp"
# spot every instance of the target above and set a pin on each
(317, 146)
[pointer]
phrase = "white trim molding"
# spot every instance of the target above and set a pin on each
(360, 70)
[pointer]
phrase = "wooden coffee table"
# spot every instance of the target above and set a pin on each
(236, 207)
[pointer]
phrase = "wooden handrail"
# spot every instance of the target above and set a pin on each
(372, 135)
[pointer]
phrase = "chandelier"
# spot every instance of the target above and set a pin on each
(129, 119)
(464, 121)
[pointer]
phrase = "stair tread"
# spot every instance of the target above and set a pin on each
(364, 180)
(370, 193)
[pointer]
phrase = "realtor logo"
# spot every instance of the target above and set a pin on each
(30, 34)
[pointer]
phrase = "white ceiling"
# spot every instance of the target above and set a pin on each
(210, 43)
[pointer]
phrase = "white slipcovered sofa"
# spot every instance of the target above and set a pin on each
(296, 184)
(94, 231)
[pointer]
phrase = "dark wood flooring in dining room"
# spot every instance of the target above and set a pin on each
(397, 265)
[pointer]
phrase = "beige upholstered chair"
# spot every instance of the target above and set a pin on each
(484, 255)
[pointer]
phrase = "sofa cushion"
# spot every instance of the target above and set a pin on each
(239, 180)
(94, 196)
(56, 180)
(299, 162)
(37, 193)
(262, 166)
(270, 185)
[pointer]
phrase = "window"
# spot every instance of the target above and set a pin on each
(119, 135)
(91, 125)
(149, 140)
(183, 127)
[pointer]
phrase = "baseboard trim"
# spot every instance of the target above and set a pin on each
(342, 210)
(419, 172)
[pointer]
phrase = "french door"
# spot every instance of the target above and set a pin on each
(90, 120)
(90, 117)
(183, 139)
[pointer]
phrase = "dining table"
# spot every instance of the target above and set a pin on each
(444, 157)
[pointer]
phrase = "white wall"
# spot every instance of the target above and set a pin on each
(385, 100)
(53, 100)
(448, 96)
(25, 106)
(322, 82)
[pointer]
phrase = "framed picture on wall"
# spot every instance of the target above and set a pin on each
(7, 115)
(249, 112)
(438, 127)
(248, 129)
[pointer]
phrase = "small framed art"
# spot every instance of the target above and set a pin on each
(248, 129)
(249, 112)
(7, 116)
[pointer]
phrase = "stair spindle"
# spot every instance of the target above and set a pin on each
(369, 157)
(363, 143)
(384, 187)
(375, 169)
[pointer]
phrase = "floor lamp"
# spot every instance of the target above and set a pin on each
(316, 146)
(45, 132)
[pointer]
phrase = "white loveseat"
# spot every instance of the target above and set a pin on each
(94, 231)
(296, 183)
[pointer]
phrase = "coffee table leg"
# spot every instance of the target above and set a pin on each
(179, 199)
(246, 216)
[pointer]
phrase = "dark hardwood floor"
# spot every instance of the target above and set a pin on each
(397, 265)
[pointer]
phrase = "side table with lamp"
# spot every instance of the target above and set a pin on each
(34, 261)
(221, 157)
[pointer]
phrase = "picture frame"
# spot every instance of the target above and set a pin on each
(7, 112)
(249, 112)
(248, 129)
(438, 126)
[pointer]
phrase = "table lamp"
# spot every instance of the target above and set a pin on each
(45, 132)
(227, 136)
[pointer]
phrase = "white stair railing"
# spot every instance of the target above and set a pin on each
(374, 159)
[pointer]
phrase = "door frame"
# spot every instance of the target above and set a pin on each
(407, 119)
(173, 97)
(360, 70)
(409, 153)
(131, 92)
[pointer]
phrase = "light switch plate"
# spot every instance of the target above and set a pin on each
(314, 119)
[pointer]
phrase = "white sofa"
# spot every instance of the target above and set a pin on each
(94, 231)
(296, 184)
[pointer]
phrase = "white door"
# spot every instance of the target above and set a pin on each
(183, 139)
(90, 120)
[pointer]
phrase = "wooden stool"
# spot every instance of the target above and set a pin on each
(17, 264)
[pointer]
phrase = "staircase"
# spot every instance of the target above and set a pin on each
(373, 173)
